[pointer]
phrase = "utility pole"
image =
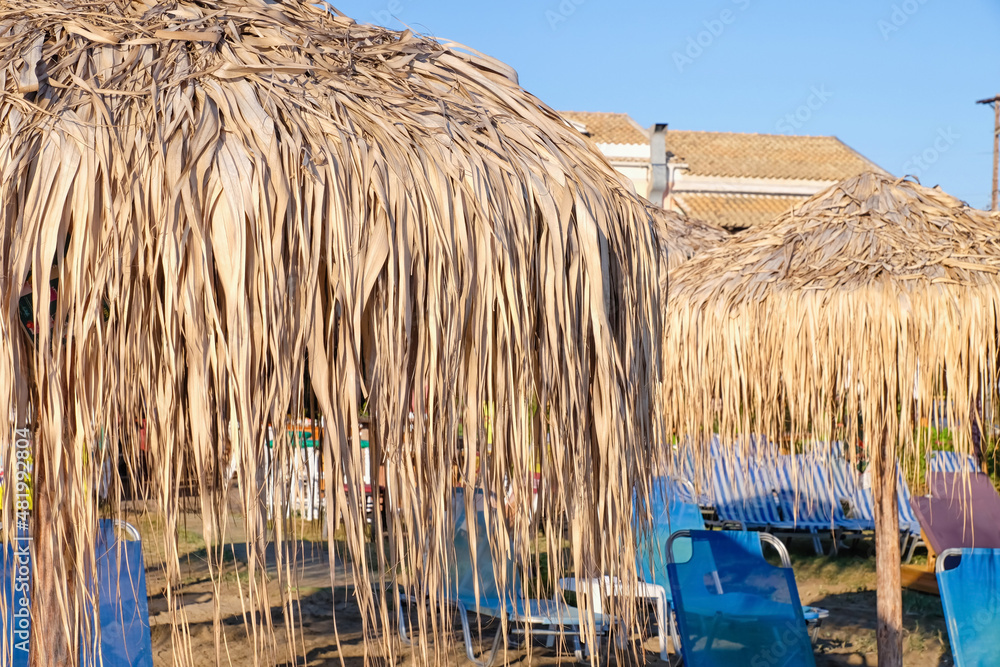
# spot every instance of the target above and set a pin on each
(995, 101)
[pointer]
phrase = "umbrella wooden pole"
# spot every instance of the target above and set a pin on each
(54, 649)
(889, 633)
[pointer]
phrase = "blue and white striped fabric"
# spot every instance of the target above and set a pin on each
(908, 522)
(684, 468)
(804, 492)
(848, 483)
(846, 487)
(865, 507)
(824, 500)
(744, 491)
(943, 461)
(798, 494)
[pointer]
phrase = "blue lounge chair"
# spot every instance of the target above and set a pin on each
(732, 606)
(846, 489)
(745, 493)
(474, 588)
(816, 494)
(803, 499)
(122, 608)
(847, 486)
(969, 583)
(671, 510)
(765, 495)
(945, 461)
(698, 479)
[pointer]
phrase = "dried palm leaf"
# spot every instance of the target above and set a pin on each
(867, 301)
(683, 238)
(253, 191)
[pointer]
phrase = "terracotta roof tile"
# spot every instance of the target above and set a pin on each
(609, 128)
(734, 211)
(766, 155)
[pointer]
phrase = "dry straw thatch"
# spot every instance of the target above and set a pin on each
(683, 238)
(254, 191)
(872, 298)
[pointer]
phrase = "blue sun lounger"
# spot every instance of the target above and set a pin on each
(732, 606)
(814, 487)
(745, 493)
(969, 583)
(474, 588)
(802, 497)
(764, 495)
(670, 513)
(671, 510)
(847, 486)
(909, 525)
(671, 516)
(121, 592)
(847, 489)
(684, 468)
(945, 461)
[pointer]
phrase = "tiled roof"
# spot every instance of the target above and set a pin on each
(609, 128)
(734, 211)
(765, 155)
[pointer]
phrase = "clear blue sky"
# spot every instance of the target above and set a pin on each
(896, 80)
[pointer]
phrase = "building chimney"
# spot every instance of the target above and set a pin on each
(658, 163)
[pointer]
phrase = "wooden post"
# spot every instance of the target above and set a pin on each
(50, 647)
(889, 630)
(995, 101)
(996, 151)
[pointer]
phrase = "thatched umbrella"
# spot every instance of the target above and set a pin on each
(864, 301)
(682, 238)
(255, 190)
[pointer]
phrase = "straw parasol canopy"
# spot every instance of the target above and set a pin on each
(866, 301)
(234, 196)
(682, 238)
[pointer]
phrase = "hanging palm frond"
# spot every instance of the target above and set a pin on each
(871, 278)
(231, 195)
(683, 238)
(843, 320)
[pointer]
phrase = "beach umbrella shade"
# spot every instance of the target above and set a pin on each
(683, 238)
(232, 196)
(842, 317)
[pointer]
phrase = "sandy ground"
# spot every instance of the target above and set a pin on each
(843, 584)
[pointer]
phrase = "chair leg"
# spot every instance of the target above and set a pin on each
(401, 625)
(914, 543)
(662, 619)
(814, 630)
(675, 635)
(491, 656)
(578, 650)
